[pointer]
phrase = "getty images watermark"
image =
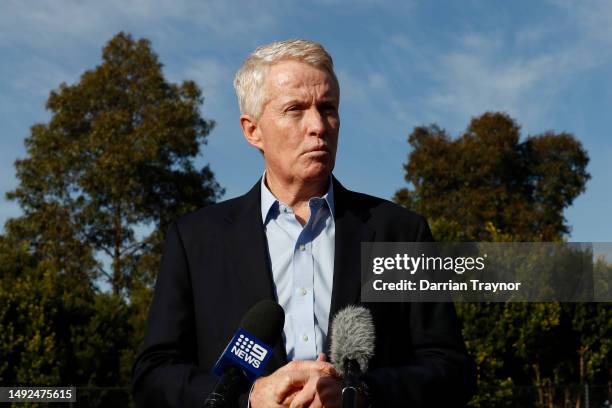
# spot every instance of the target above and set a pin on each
(486, 272)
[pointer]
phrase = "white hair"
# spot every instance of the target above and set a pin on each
(249, 80)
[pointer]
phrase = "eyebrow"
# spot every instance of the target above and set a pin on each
(325, 99)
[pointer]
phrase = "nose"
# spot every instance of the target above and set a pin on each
(315, 125)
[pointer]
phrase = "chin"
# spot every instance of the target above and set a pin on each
(318, 174)
(316, 170)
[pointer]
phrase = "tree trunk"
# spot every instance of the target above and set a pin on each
(538, 382)
(116, 280)
(581, 366)
(551, 396)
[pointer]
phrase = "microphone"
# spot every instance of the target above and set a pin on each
(246, 355)
(352, 347)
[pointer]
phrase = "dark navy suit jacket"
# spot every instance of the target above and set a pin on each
(215, 267)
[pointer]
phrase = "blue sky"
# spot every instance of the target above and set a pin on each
(400, 65)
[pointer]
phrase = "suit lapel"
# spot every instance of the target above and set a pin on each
(351, 231)
(250, 262)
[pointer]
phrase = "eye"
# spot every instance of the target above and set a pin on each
(294, 109)
(328, 107)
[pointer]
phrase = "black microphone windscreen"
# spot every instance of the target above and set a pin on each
(265, 321)
(353, 338)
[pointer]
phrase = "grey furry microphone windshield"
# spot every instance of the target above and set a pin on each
(352, 338)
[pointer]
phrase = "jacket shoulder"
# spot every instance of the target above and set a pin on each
(391, 221)
(381, 209)
(213, 217)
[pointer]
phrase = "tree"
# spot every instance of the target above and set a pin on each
(100, 184)
(489, 175)
(488, 185)
(57, 331)
(116, 156)
(27, 340)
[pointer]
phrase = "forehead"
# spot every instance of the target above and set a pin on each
(293, 78)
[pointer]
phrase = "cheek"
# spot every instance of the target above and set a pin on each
(333, 124)
(334, 132)
(282, 149)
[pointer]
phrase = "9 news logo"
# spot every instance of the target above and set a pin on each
(249, 351)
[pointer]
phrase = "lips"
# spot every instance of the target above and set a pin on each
(319, 149)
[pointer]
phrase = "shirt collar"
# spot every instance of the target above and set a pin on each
(270, 203)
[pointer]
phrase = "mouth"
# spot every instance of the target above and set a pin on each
(319, 149)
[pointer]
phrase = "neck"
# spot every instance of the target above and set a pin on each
(293, 192)
(297, 193)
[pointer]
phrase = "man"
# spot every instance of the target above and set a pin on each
(294, 238)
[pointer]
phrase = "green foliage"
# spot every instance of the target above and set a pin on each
(116, 154)
(99, 344)
(98, 188)
(489, 175)
(592, 324)
(484, 338)
(487, 185)
(27, 339)
(56, 332)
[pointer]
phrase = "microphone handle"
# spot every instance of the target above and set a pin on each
(349, 397)
(225, 394)
(350, 384)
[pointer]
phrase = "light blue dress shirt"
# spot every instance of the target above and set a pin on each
(302, 259)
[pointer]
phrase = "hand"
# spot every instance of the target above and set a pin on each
(280, 388)
(323, 391)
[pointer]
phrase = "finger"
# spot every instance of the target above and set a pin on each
(312, 368)
(316, 402)
(305, 396)
(262, 394)
(329, 391)
(319, 365)
(325, 368)
(296, 365)
(289, 382)
(289, 398)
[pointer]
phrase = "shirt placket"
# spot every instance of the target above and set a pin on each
(303, 289)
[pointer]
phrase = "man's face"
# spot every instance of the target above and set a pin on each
(298, 128)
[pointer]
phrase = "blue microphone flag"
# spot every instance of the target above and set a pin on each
(245, 351)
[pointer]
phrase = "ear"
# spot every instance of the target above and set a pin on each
(251, 131)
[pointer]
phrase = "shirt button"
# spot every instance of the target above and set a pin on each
(302, 247)
(305, 337)
(304, 292)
